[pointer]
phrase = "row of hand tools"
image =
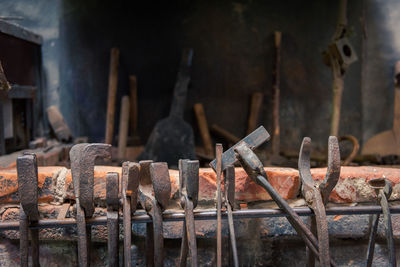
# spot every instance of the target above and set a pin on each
(148, 183)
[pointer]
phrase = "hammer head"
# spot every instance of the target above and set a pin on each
(253, 140)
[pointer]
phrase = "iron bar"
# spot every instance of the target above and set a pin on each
(169, 216)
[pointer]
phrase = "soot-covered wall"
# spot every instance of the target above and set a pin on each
(233, 45)
(233, 57)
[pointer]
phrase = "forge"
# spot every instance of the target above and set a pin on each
(199, 133)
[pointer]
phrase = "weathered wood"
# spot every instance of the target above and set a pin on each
(255, 106)
(224, 134)
(112, 94)
(20, 32)
(203, 127)
(133, 105)
(123, 127)
(388, 142)
(58, 124)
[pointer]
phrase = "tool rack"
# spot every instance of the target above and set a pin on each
(148, 183)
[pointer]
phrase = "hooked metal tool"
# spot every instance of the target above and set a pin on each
(317, 195)
(243, 153)
(28, 193)
(188, 191)
(229, 201)
(112, 200)
(383, 189)
(83, 157)
(129, 192)
(154, 194)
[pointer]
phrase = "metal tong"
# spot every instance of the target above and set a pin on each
(229, 201)
(383, 189)
(317, 194)
(83, 157)
(243, 153)
(29, 212)
(129, 193)
(112, 200)
(154, 194)
(188, 192)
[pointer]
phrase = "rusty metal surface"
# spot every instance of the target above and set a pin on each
(229, 188)
(317, 194)
(154, 194)
(129, 193)
(253, 140)
(218, 169)
(161, 185)
(140, 217)
(383, 189)
(82, 158)
(188, 191)
(112, 200)
(29, 212)
(254, 168)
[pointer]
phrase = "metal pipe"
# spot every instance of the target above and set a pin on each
(205, 215)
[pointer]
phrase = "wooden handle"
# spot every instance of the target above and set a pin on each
(396, 104)
(203, 126)
(123, 127)
(255, 106)
(277, 36)
(225, 134)
(133, 104)
(112, 94)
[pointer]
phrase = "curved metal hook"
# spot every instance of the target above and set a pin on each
(304, 165)
(333, 171)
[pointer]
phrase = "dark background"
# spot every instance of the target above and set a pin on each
(233, 57)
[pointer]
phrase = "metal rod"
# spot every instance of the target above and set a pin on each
(205, 215)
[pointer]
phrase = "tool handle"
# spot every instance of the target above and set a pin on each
(255, 106)
(123, 127)
(203, 127)
(277, 38)
(133, 104)
(276, 96)
(181, 85)
(396, 105)
(112, 94)
(218, 130)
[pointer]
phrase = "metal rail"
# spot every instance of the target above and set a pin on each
(204, 215)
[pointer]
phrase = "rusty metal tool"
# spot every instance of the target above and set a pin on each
(83, 157)
(172, 138)
(188, 191)
(253, 140)
(255, 170)
(29, 212)
(243, 153)
(218, 155)
(129, 193)
(229, 201)
(112, 200)
(154, 194)
(317, 194)
(383, 189)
